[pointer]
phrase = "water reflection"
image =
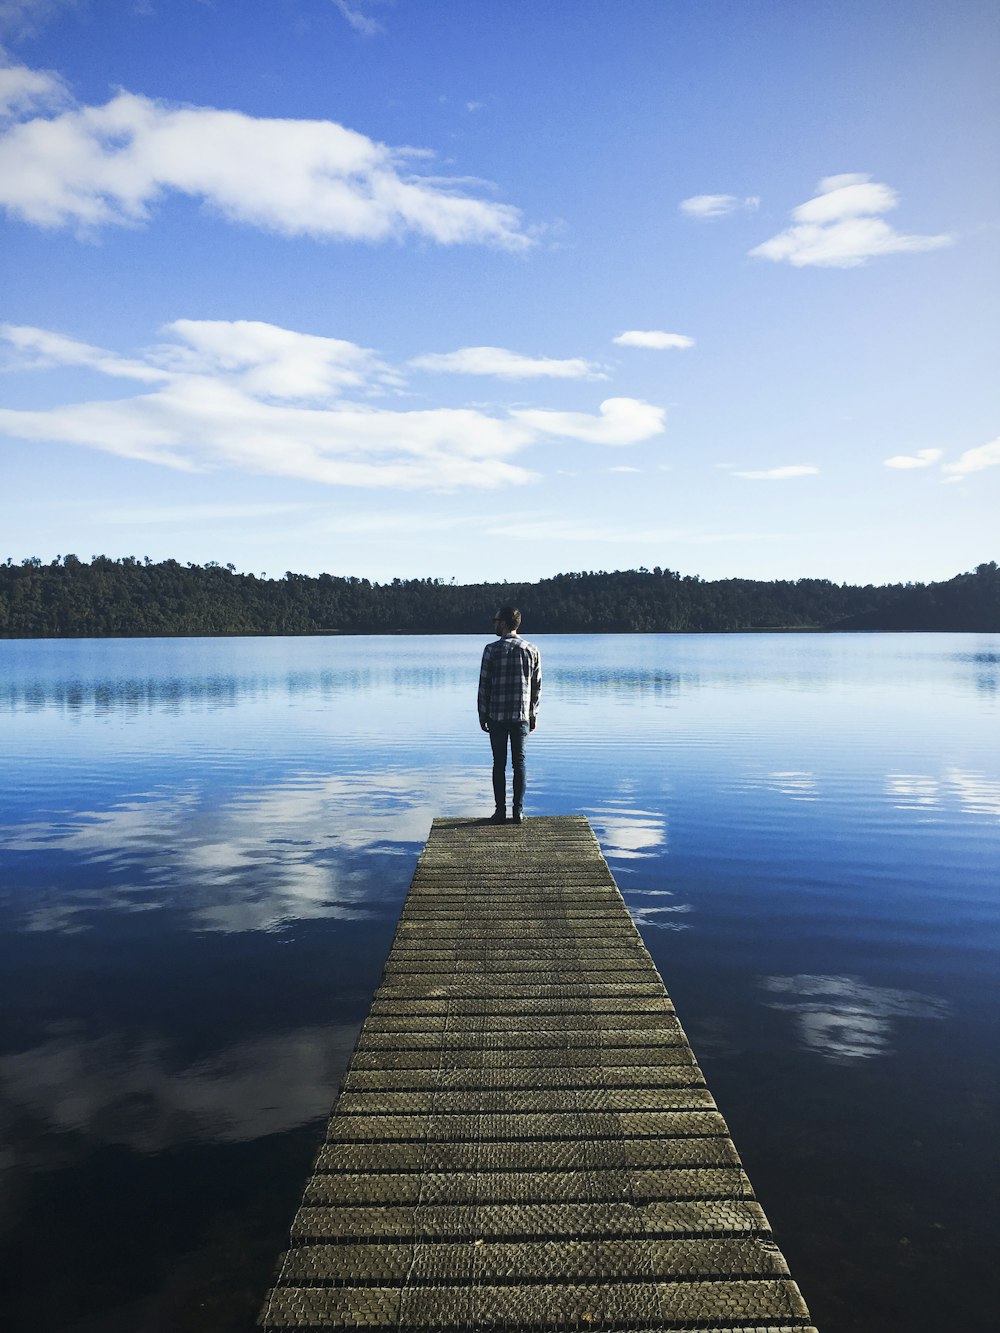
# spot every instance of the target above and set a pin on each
(844, 1019)
(665, 917)
(975, 793)
(985, 663)
(133, 1091)
(629, 834)
(652, 683)
(145, 694)
(912, 791)
(264, 856)
(207, 843)
(799, 786)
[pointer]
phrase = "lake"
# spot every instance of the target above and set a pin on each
(205, 844)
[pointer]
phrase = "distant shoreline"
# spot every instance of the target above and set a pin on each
(129, 598)
(471, 634)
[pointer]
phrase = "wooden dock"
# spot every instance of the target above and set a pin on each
(523, 1139)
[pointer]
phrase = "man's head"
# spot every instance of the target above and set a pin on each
(507, 620)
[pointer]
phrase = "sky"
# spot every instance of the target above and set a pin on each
(475, 290)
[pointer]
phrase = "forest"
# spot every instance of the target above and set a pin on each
(105, 597)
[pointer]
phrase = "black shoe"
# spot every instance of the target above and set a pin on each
(516, 817)
(499, 816)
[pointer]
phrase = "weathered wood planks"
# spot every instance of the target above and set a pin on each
(524, 1139)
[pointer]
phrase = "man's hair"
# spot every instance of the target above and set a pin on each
(510, 616)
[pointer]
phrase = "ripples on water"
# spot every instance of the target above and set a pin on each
(205, 844)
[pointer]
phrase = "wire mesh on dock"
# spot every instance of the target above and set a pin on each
(524, 1139)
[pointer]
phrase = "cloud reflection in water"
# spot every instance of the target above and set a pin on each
(663, 918)
(132, 1093)
(263, 857)
(631, 835)
(974, 793)
(627, 834)
(842, 1018)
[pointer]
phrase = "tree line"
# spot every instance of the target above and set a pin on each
(108, 597)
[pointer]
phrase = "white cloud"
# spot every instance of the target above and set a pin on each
(25, 90)
(268, 361)
(779, 473)
(922, 458)
(849, 195)
(201, 424)
(653, 338)
(974, 460)
(358, 19)
(254, 397)
(507, 365)
(840, 227)
(716, 205)
(94, 166)
(621, 421)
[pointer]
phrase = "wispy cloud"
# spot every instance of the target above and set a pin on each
(507, 365)
(922, 458)
(716, 205)
(24, 18)
(653, 338)
(779, 473)
(551, 526)
(196, 513)
(841, 227)
(97, 166)
(360, 21)
(257, 398)
(975, 460)
(265, 360)
(36, 349)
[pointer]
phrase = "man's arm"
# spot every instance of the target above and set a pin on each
(536, 691)
(485, 685)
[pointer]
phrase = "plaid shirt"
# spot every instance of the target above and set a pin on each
(510, 680)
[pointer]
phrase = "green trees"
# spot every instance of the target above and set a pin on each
(128, 596)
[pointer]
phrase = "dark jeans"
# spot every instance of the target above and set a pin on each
(517, 733)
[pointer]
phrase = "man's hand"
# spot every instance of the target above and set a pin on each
(533, 724)
(485, 725)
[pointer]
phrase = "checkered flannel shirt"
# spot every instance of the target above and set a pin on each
(510, 680)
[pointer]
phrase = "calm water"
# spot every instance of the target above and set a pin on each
(205, 844)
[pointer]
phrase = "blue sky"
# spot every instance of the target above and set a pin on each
(496, 290)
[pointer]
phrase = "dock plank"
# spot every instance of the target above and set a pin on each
(524, 1139)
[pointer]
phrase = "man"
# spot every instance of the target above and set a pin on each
(510, 685)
